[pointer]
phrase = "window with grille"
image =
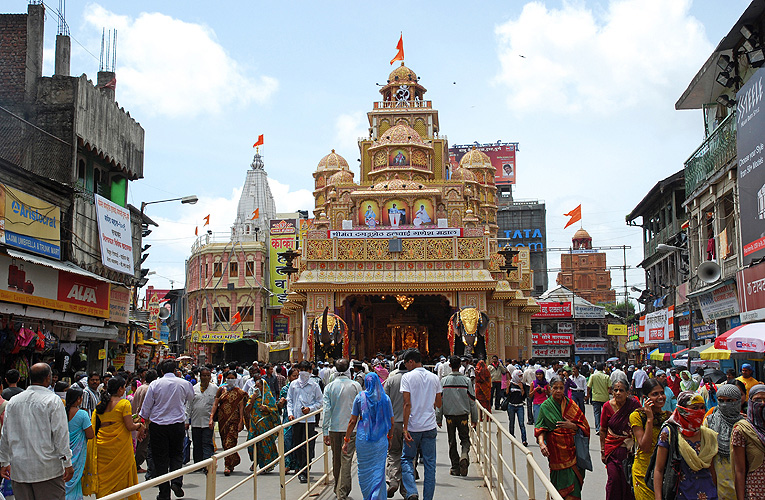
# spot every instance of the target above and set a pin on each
(217, 269)
(233, 269)
(249, 268)
(221, 314)
(245, 313)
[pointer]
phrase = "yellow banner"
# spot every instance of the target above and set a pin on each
(29, 223)
(215, 337)
(617, 329)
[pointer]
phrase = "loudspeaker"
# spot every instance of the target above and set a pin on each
(708, 272)
(164, 313)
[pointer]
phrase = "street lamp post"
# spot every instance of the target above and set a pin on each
(186, 200)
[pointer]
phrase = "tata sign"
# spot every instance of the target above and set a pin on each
(532, 238)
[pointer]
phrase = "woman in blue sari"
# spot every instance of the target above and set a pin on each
(373, 411)
(80, 430)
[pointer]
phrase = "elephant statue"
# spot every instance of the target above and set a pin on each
(331, 336)
(467, 331)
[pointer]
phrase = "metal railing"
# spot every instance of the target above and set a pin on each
(211, 465)
(489, 438)
(715, 152)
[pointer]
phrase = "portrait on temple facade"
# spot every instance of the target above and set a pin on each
(369, 213)
(394, 213)
(398, 158)
(422, 212)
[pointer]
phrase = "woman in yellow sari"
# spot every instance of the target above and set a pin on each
(108, 469)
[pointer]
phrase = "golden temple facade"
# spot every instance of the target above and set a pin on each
(398, 252)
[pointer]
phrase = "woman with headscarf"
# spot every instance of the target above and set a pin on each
(616, 442)
(373, 411)
(540, 390)
(380, 370)
(516, 394)
(708, 391)
(263, 416)
(483, 385)
(559, 421)
(723, 418)
(748, 448)
(697, 448)
(646, 423)
(686, 382)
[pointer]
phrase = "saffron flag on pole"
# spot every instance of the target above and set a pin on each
(188, 322)
(259, 142)
(237, 319)
(575, 214)
(400, 47)
(196, 231)
(255, 214)
(207, 220)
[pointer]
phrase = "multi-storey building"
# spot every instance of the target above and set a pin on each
(583, 271)
(523, 223)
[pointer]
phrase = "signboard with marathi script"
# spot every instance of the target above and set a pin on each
(550, 352)
(29, 223)
(617, 330)
(552, 339)
(115, 235)
(722, 302)
(283, 237)
(397, 233)
(658, 326)
(210, 337)
(553, 310)
(751, 293)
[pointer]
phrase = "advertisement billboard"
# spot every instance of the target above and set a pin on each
(42, 286)
(721, 302)
(502, 156)
(283, 235)
(751, 296)
(553, 310)
(115, 235)
(29, 223)
(552, 339)
(658, 326)
(750, 135)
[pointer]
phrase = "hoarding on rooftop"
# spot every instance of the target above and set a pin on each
(502, 156)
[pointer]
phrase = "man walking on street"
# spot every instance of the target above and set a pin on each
(496, 369)
(422, 395)
(392, 388)
(199, 412)
(165, 408)
(142, 447)
(597, 390)
(578, 392)
(34, 447)
(338, 402)
(303, 397)
(638, 378)
(458, 404)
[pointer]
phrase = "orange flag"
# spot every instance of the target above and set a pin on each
(259, 142)
(188, 322)
(400, 47)
(237, 319)
(207, 220)
(196, 231)
(255, 214)
(575, 214)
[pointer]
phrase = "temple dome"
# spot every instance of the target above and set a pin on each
(402, 74)
(462, 174)
(341, 177)
(400, 135)
(581, 234)
(476, 159)
(332, 161)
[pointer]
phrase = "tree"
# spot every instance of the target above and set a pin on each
(624, 310)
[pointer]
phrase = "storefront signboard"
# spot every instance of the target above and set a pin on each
(751, 293)
(617, 330)
(658, 326)
(115, 235)
(552, 338)
(29, 223)
(586, 347)
(589, 312)
(119, 304)
(719, 303)
(704, 330)
(550, 352)
(553, 310)
(210, 337)
(565, 327)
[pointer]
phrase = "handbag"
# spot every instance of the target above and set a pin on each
(671, 469)
(583, 460)
(186, 449)
(627, 467)
(504, 403)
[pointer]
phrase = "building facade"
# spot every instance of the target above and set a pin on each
(395, 254)
(523, 223)
(583, 271)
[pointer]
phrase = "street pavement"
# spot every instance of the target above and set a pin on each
(470, 486)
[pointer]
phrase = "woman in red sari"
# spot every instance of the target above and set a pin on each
(616, 441)
(558, 422)
(483, 385)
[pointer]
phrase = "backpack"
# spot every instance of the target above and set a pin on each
(672, 467)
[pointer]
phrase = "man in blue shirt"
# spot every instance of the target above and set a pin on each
(338, 401)
(303, 397)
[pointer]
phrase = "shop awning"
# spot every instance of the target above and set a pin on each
(61, 265)
(710, 288)
(97, 333)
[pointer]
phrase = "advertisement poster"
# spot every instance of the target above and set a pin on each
(552, 339)
(277, 245)
(750, 151)
(751, 293)
(280, 326)
(659, 326)
(617, 330)
(42, 286)
(502, 156)
(29, 223)
(721, 302)
(115, 235)
(119, 304)
(550, 352)
(554, 310)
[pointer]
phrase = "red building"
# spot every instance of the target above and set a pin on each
(584, 271)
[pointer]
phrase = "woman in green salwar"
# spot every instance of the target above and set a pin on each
(264, 416)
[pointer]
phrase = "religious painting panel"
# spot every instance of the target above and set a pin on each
(395, 212)
(369, 213)
(398, 157)
(423, 212)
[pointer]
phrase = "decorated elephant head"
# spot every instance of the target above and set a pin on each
(469, 332)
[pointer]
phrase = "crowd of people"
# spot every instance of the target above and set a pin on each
(699, 437)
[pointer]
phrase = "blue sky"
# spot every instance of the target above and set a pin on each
(591, 101)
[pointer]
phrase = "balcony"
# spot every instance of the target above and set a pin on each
(714, 153)
(402, 105)
(663, 236)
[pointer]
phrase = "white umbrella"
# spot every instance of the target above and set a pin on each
(747, 338)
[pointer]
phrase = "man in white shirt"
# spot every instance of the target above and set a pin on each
(303, 397)
(34, 447)
(638, 378)
(442, 368)
(199, 413)
(577, 394)
(422, 395)
(617, 374)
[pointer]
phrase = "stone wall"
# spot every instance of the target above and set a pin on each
(13, 56)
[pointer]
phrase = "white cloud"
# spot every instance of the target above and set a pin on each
(575, 61)
(348, 128)
(290, 201)
(171, 67)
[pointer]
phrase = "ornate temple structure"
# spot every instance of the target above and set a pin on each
(395, 254)
(583, 271)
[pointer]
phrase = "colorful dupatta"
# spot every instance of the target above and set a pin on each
(618, 424)
(262, 421)
(483, 385)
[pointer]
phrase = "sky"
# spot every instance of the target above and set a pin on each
(587, 89)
